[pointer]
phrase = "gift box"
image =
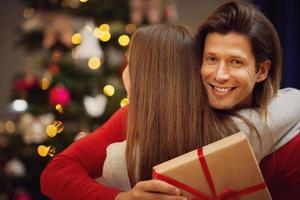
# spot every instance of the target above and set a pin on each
(226, 169)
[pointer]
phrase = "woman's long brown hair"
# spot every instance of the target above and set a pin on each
(168, 112)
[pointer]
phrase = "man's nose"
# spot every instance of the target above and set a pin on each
(221, 73)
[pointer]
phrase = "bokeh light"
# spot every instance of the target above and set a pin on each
(109, 90)
(105, 36)
(124, 40)
(54, 128)
(104, 27)
(28, 12)
(94, 63)
(19, 105)
(76, 38)
(46, 150)
(124, 102)
(10, 126)
(74, 53)
(97, 32)
(59, 108)
(44, 83)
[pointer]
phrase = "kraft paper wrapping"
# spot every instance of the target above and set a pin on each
(231, 164)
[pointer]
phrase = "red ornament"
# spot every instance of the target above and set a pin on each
(59, 95)
(54, 69)
(28, 83)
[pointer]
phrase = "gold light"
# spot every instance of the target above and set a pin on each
(74, 53)
(46, 150)
(28, 12)
(44, 83)
(83, 1)
(59, 108)
(123, 40)
(109, 90)
(94, 63)
(97, 32)
(10, 126)
(54, 128)
(104, 27)
(76, 38)
(124, 102)
(105, 36)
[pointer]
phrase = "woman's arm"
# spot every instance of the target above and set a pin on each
(70, 175)
(282, 124)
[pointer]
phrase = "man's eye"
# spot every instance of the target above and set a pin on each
(211, 59)
(236, 62)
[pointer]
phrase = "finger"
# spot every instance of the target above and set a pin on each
(158, 186)
(158, 196)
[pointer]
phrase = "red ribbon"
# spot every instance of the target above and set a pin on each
(227, 194)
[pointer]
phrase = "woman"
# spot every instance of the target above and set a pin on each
(167, 116)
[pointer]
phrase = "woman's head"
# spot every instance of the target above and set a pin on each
(165, 96)
(246, 21)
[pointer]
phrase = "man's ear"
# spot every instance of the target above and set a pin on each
(263, 71)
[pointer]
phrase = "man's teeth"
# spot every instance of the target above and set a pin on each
(223, 90)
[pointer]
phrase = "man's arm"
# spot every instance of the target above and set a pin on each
(281, 125)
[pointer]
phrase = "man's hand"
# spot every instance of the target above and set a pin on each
(152, 190)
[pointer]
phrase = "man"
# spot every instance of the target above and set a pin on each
(241, 57)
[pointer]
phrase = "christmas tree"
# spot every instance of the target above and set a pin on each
(71, 82)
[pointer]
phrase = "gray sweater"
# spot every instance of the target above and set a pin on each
(283, 124)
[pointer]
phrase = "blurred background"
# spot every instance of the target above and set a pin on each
(61, 66)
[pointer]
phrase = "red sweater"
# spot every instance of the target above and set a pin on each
(70, 174)
(281, 171)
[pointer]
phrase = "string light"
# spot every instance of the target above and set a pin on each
(109, 90)
(105, 36)
(44, 83)
(59, 108)
(19, 105)
(124, 102)
(97, 32)
(104, 27)
(76, 38)
(94, 63)
(28, 12)
(10, 126)
(123, 40)
(46, 150)
(74, 53)
(54, 128)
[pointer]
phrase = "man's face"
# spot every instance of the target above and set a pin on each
(228, 70)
